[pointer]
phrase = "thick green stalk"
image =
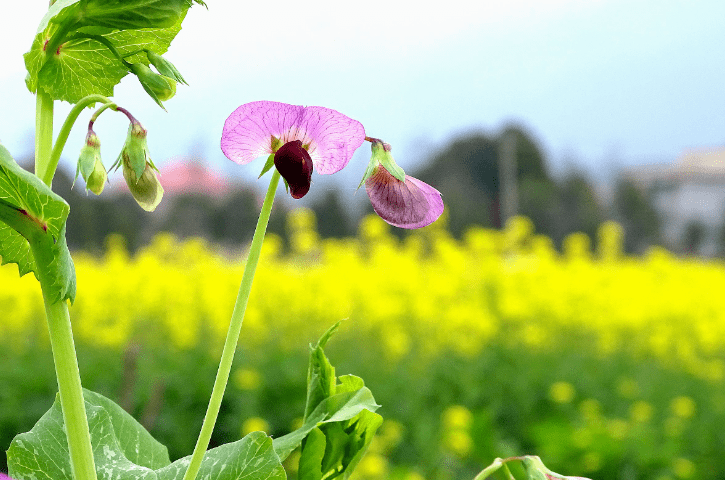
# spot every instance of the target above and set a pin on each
(66, 367)
(59, 326)
(43, 133)
(71, 393)
(235, 327)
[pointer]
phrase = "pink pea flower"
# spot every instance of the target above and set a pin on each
(399, 199)
(298, 137)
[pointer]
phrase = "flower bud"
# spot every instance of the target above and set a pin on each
(159, 87)
(146, 189)
(164, 67)
(382, 156)
(399, 199)
(139, 170)
(90, 165)
(135, 152)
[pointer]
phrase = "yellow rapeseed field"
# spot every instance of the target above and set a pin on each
(428, 292)
(425, 298)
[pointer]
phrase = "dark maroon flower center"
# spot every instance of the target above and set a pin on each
(295, 165)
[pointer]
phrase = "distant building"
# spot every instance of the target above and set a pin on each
(690, 196)
(188, 176)
(195, 194)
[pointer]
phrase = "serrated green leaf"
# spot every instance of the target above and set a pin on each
(320, 373)
(131, 14)
(251, 458)
(337, 408)
(15, 249)
(341, 409)
(119, 443)
(364, 426)
(26, 192)
(80, 66)
(124, 450)
(313, 451)
(34, 238)
(53, 262)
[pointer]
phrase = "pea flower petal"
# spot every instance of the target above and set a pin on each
(409, 204)
(255, 129)
(294, 164)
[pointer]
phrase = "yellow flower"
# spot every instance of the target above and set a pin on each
(247, 379)
(254, 424)
(683, 407)
(562, 392)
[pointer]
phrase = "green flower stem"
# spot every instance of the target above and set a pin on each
(43, 132)
(49, 172)
(235, 327)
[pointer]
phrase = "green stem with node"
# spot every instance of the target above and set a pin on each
(235, 327)
(56, 310)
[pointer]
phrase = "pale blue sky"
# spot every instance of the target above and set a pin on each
(600, 83)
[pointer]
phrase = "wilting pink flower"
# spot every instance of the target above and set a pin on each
(399, 199)
(296, 136)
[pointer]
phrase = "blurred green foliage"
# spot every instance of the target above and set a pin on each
(606, 366)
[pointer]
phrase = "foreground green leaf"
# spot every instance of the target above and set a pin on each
(31, 212)
(120, 444)
(69, 67)
(251, 458)
(124, 450)
(339, 421)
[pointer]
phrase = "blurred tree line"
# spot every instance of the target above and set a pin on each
(466, 171)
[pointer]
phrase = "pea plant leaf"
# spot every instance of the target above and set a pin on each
(124, 450)
(251, 458)
(339, 422)
(69, 57)
(32, 228)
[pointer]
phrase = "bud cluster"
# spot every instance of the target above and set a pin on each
(139, 170)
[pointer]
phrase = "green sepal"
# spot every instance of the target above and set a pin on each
(32, 229)
(381, 153)
(267, 166)
(275, 143)
(369, 172)
(123, 449)
(135, 152)
(70, 68)
(90, 166)
(159, 87)
(165, 67)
